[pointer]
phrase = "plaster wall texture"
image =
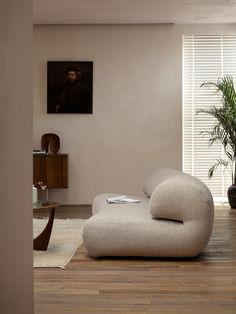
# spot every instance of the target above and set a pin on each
(136, 125)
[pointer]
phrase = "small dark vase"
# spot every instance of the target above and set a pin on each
(232, 195)
(50, 140)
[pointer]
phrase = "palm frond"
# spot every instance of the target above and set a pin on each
(216, 165)
(224, 129)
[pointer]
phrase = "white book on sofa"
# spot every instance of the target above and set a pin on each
(121, 200)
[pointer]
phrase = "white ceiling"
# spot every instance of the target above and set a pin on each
(134, 11)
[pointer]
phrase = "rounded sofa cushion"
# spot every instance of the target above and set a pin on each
(182, 198)
(155, 178)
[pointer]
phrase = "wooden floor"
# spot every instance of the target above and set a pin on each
(206, 284)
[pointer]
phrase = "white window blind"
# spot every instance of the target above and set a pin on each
(205, 58)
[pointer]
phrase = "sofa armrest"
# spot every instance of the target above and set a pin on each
(182, 198)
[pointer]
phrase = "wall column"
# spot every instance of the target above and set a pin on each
(16, 283)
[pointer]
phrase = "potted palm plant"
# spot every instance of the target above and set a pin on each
(224, 130)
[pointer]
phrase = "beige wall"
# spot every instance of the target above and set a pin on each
(136, 124)
(16, 264)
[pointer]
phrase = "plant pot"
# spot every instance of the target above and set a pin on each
(232, 196)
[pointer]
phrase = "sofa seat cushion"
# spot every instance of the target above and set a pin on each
(130, 230)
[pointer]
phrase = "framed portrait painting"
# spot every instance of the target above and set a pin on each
(70, 87)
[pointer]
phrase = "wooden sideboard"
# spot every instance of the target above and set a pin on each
(51, 169)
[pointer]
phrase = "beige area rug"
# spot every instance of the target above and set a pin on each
(65, 239)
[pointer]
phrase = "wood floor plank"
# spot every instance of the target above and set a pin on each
(205, 284)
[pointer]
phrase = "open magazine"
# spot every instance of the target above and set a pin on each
(122, 199)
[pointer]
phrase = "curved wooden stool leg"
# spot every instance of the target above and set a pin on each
(41, 242)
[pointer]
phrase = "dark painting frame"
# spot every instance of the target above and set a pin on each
(70, 87)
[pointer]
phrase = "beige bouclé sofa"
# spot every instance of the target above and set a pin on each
(173, 219)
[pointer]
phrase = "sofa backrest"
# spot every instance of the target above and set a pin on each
(157, 177)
